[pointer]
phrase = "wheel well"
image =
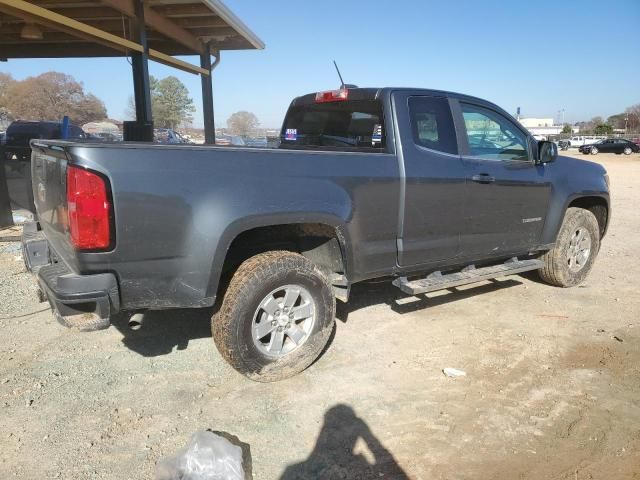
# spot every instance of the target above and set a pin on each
(596, 205)
(318, 242)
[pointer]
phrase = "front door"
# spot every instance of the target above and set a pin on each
(434, 181)
(508, 193)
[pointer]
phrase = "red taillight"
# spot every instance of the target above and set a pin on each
(89, 208)
(332, 96)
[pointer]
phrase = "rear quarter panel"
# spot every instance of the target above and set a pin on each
(177, 210)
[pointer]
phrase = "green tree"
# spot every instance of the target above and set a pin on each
(171, 104)
(566, 128)
(243, 123)
(603, 129)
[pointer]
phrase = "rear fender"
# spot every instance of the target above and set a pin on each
(249, 223)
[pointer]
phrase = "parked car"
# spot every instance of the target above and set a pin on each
(225, 140)
(21, 132)
(257, 142)
(610, 145)
(580, 140)
(636, 141)
(108, 136)
(366, 183)
(168, 136)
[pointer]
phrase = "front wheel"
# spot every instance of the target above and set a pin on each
(570, 260)
(594, 151)
(627, 151)
(276, 316)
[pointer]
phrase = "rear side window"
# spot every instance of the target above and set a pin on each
(351, 125)
(432, 124)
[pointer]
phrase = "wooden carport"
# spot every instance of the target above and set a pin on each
(144, 30)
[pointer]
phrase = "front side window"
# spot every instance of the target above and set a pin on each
(432, 124)
(492, 136)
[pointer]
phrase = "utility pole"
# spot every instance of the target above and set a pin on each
(626, 121)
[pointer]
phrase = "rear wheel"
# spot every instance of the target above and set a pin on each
(627, 151)
(570, 260)
(276, 316)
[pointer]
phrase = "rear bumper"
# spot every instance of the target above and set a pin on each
(86, 302)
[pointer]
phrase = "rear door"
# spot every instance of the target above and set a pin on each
(507, 192)
(620, 144)
(608, 146)
(431, 217)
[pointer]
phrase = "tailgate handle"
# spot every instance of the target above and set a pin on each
(483, 178)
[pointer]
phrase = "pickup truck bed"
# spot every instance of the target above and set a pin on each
(367, 183)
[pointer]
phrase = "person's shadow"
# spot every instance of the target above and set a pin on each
(341, 452)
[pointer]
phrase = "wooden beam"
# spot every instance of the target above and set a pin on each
(32, 13)
(174, 62)
(211, 21)
(35, 14)
(159, 23)
(59, 50)
(184, 10)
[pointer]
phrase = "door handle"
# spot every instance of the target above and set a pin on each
(483, 178)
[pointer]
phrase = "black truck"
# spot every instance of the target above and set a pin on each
(429, 188)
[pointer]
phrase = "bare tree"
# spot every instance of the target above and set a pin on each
(243, 123)
(52, 95)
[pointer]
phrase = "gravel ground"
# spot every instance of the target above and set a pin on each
(17, 290)
(552, 387)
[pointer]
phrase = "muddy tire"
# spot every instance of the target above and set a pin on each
(276, 316)
(569, 262)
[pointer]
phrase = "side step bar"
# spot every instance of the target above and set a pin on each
(470, 274)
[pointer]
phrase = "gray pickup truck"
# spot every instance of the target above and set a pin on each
(429, 188)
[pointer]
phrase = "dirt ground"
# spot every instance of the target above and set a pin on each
(552, 387)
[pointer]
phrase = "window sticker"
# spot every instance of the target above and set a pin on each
(291, 134)
(376, 137)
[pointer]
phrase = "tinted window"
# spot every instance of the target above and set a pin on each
(432, 124)
(350, 125)
(492, 136)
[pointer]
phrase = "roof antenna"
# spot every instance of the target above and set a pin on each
(342, 85)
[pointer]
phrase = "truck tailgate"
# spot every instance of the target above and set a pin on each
(48, 172)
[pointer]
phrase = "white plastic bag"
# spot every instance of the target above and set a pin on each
(207, 456)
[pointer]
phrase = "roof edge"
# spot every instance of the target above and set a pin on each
(228, 16)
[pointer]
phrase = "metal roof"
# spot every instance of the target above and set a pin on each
(100, 28)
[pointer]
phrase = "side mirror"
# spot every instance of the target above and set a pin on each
(547, 152)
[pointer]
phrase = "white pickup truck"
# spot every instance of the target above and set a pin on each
(580, 140)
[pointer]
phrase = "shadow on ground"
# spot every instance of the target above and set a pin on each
(165, 330)
(346, 448)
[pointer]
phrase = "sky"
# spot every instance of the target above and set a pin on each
(543, 56)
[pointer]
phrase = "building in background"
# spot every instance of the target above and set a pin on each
(541, 126)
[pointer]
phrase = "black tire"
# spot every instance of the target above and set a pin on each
(627, 151)
(254, 279)
(556, 270)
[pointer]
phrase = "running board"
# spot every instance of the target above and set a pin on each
(470, 274)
